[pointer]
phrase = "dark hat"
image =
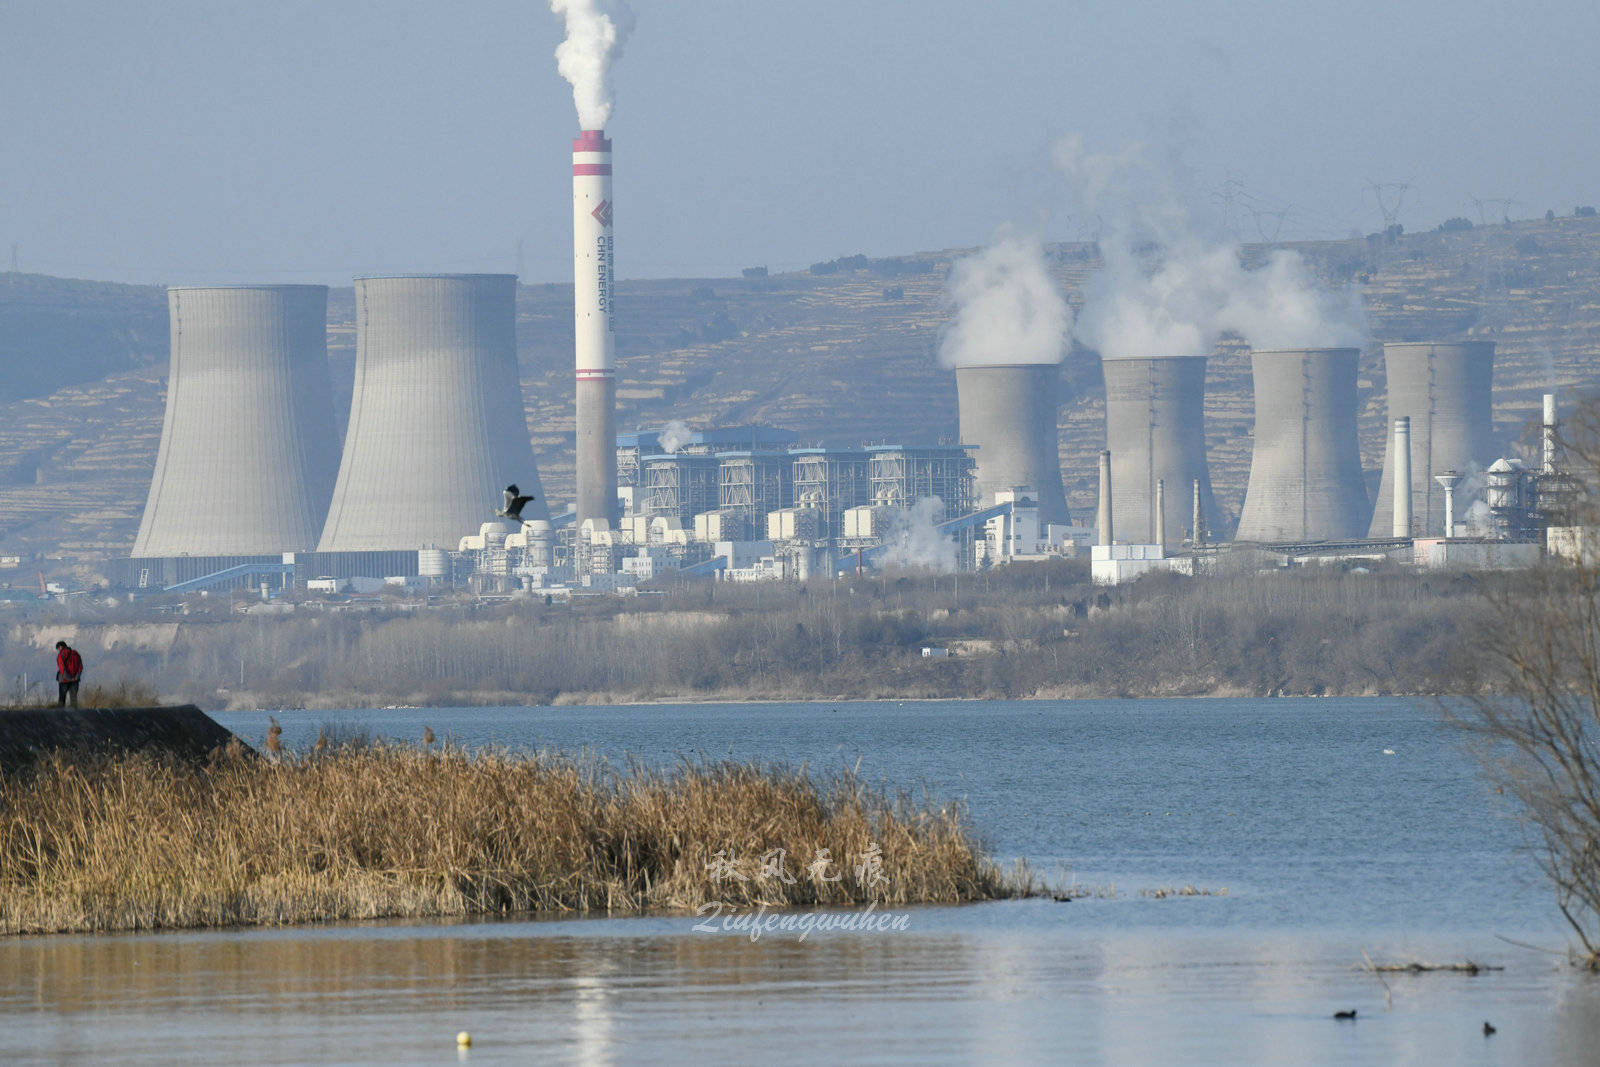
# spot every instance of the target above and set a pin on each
(61, 644)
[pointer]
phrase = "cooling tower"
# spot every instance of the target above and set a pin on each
(1305, 472)
(247, 448)
(1155, 428)
(1009, 412)
(594, 348)
(436, 420)
(1444, 389)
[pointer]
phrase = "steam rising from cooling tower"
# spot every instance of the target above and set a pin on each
(436, 421)
(596, 32)
(1445, 390)
(1005, 339)
(1169, 290)
(247, 446)
(1006, 307)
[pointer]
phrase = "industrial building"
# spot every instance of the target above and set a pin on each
(1305, 471)
(1155, 429)
(245, 463)
(1446, 391)
(436, 420)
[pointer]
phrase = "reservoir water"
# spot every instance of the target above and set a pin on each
(1322, 832)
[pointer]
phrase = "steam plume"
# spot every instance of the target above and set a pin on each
(674, 435)
(913, 539)
(596, 32)
(1007, 308)
(1168, 290)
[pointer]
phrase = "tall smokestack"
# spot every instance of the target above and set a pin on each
(593, 290)
(1402, 477)
(1103, 517)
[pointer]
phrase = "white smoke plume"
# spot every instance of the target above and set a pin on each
(596, 32)
(913, 539)
(1006, 307)
(1170, 290)
(674, 435)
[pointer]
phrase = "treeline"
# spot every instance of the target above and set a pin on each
(1026, 631)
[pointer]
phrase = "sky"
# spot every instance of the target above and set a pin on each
(190, 142)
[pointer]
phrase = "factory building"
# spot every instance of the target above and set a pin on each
(1008, 413)
(1305, 471)
(1446, 391)
(1155, 429)
(246, 458)
(436, 420)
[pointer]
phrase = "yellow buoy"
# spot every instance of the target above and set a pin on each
(464, 1039)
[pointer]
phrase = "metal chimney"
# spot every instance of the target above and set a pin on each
(1103, 519)
(1161, 517)
(1550, 428)
(1402, 477)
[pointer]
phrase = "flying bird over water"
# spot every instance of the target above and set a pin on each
(515, 502)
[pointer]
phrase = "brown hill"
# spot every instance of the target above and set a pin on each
(843, 353)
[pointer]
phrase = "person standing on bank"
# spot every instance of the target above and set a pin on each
(69, 671)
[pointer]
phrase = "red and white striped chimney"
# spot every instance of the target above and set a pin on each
(595, 343)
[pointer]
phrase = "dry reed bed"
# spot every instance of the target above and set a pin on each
(134, 842)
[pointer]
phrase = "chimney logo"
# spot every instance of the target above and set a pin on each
(603, 213)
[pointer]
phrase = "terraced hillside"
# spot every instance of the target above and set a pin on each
(844, 355)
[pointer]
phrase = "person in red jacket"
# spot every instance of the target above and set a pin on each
(69, 670)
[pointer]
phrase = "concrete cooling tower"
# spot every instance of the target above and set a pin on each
(1305, 473)
(1155, 429)
(1445, 390)
(1009, 412)
(436, 420)
(247, 447)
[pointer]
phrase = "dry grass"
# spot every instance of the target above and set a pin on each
(119, 694)
(356, 832)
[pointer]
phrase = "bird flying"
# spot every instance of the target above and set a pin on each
(515, 502)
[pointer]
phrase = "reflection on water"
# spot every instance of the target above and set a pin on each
(1021, 984)
(1328, 846)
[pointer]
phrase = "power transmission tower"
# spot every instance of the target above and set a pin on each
(1390, 197)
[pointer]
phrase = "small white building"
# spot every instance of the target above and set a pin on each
(1115, 564)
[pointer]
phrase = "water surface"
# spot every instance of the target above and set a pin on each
(1327, 845)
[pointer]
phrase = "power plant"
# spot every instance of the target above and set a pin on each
(1445, 390)
(1305, 471)
(1008, 413)
(437, 427)
(1155, 429)
(246, 456)
(593, 289)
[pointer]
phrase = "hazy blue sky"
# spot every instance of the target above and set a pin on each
(295, 140)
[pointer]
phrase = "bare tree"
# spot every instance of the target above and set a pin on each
(1540, 650)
